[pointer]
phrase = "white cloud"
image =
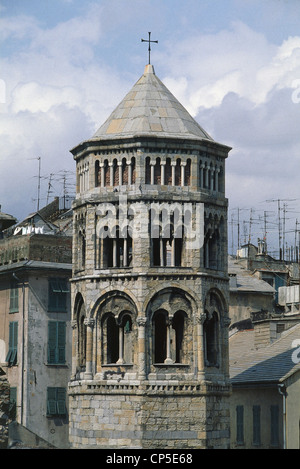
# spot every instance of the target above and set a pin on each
(241, 88)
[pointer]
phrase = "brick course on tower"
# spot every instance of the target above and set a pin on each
(150, 285)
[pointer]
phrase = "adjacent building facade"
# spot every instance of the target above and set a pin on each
(149, 283)
(264, 406)
(35, 267)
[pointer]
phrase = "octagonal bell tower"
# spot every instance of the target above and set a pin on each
(150, 285)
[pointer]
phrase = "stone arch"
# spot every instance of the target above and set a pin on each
(79, 315)
(116, 331)
(170, 315)
(214, 309)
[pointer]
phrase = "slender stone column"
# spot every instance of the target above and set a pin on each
(121, 346)
(120, 173)
(162, 172)
(173, 165)
(152, 164)
(200, 342)
(217, 179)
(75, 357)
(212, 177)
(168, 359)
(129, 172)
(182, 164)
(141, 322)
(114, 252)
(89, 323)
(111, 173)
(102, 174)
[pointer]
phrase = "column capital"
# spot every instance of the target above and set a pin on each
(74, 324)
(200, 319)
(90, 322)
(141, 321)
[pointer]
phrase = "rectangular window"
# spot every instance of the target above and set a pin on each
(256, 425)
(240, 424)
(56, 402)
(274, 425)
(14, 298)
(56, 342)
(58, 289)
(12, 354)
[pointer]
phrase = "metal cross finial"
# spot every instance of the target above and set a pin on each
(149, 48)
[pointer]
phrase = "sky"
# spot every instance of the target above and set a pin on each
(234, 64)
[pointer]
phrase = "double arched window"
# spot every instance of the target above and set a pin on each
(168, 337)
(117, 340)
(211, 329)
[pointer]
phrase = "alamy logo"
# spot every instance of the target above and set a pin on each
(164, 220)
(296, 92)
(296, 352)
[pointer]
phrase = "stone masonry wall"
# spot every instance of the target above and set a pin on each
(4, 410)
(135, 419)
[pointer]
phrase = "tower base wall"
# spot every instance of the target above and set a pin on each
(147, 416)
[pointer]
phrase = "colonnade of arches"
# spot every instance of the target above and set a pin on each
(116, 335)
(175, 171)
(115, 172)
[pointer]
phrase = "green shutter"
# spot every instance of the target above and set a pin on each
(61, 401)
(15, 343)
(56, 342)
(256, 425)
(10, 343)
(51, 401)
(240, 424)
(56, 402)
(52, 334)
(12, 354)
(61, 342)
(274, 425)
(58, 289)
(14, 298)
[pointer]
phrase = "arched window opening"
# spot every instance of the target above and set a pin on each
(97, 174)
(117, 251)
(166, 239)
(112, 340)
(187, 174)
(221, 181)
(178, 172)
(133, 171)
(212, 243)
(115, 173)
(157, 172)
(168, 172)
(105, 169)
(211, 337)
(117, 338)
(160, 337)
(81, 247)
(125, 340)
(124, 172)
(148, 171)
(80, 316)
(82, 341)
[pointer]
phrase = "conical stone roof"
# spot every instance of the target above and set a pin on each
(150, 109)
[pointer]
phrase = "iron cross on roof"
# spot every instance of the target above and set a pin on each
(149, 41)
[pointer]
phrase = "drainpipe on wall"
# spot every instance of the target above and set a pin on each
(282, 391)
(23, 335)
